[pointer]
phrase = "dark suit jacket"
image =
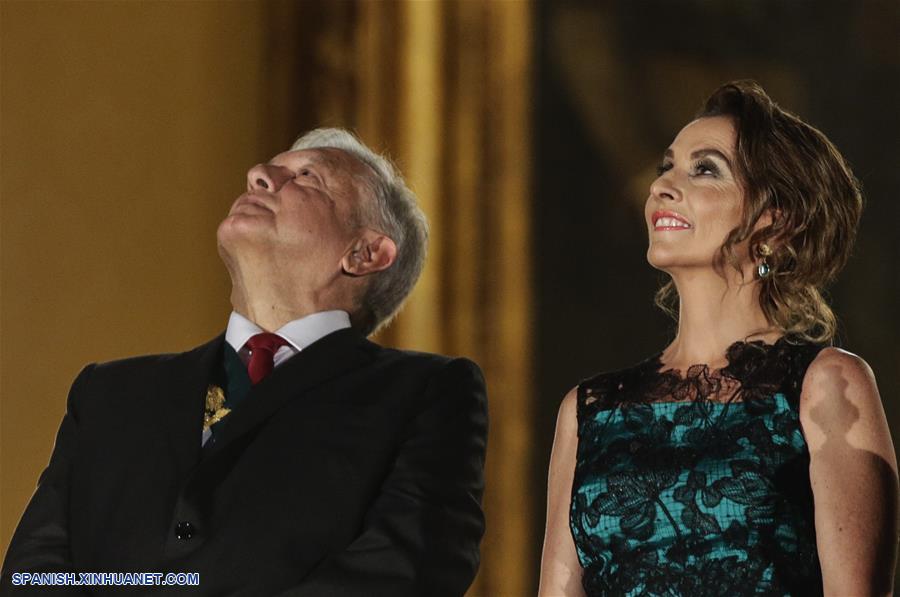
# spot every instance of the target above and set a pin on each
(351, 470)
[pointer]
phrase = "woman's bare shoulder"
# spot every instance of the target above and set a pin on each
(840, 399)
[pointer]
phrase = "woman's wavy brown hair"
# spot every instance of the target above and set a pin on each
(790, 170)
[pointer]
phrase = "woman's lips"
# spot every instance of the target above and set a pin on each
(669, 220)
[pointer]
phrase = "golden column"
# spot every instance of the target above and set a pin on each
(447, 86)
(444, 88)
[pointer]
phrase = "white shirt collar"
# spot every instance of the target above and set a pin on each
(299, 333)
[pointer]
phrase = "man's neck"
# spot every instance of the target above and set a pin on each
(270, 310)
(271, 297)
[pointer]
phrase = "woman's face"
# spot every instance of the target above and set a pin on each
(696, 199)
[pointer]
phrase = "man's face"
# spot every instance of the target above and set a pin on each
(298, 214)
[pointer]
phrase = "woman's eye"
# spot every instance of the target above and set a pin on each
(663, 168)
(705, 168)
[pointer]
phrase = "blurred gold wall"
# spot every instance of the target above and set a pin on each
(125, 132)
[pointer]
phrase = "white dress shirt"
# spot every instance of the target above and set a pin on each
(299, 333)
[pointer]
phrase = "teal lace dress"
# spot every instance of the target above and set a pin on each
(697, 484)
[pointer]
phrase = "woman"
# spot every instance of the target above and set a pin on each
(748, 456)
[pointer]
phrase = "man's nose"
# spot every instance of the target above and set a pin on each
(265, 176)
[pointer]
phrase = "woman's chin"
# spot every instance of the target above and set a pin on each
(661, 259)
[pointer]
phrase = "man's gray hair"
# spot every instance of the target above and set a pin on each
(393, 211)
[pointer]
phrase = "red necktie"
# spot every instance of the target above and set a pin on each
(262, 354)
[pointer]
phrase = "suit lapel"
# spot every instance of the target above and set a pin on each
(334, 355)
(183, 387)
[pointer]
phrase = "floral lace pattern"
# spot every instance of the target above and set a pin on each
(696, 484)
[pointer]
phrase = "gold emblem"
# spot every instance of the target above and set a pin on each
(215, 406)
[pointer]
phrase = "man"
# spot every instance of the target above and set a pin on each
(305, 462)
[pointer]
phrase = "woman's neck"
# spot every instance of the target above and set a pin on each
(713, 314)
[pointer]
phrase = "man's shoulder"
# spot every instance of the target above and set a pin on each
(151, 363)
(424, 373)
(427, 361)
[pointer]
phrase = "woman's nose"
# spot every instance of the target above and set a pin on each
(664, 187)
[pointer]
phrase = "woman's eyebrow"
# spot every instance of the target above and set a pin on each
(702, 153)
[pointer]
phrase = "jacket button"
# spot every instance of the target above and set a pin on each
(184, 530)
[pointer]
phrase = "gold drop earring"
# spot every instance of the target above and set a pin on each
(763, 269)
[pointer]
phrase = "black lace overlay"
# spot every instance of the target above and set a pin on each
(697, 484)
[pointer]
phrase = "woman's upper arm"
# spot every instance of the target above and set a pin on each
(560, 568)
(853, 473)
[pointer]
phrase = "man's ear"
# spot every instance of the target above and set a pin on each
(371, 252)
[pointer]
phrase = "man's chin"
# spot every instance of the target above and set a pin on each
(247, 222)
(241, 232)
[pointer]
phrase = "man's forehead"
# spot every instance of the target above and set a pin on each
(330, 157)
